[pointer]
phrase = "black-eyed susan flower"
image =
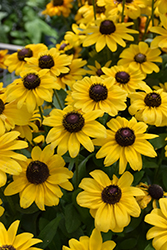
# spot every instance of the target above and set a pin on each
(152, 192)
(162, 6)
(141, 57)
(76, 72)
(33, 88)
(95, 241)
(10, 241)
(93, 93)
(158, 218)
(149, 106)
(97, 69)
(3, 57)
(127, 78)
(58, 7)
(71, 128)
(8, 158)
(41, 179)
(52, 60)
(107, 32)
(75, 36)
(126, 142)
(161, 86)
(161, 40)
(111, 202)
(16, 61)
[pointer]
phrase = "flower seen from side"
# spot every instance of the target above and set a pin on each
(71, 127)
(158, 218)
(9, 160)
(58, 7)
(41, 179)
(93, 93)
(17, 61)
(33, 88)
(97, 69)
(10, 241)
(111, 202)
(141, 57)
(149, 106)
(126, 141)
(95, 241)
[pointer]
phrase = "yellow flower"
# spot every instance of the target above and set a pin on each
(97, 69)
(125, 141)
(152, 192)
(141, 57)
(51, 60)
(149, 106)
(71, 128)
(158, 218)
(162, 6)
(22, 241)
(1, 208)
(111, 202)
(58, 7)
(159, 41)
(32, 89)
(75, 36)
(93, 93)
(127, 78)
(16, 61)
(3, 57)
(40, 179)
(107, 32)
(161, 86)
(93, 242)
(8, 158)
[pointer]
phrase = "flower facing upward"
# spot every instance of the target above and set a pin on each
(10, 241)
(40, 179)
(111, 202)
(72, 128)
(8, 158)
(93, 242)
(52, 60)
(149, 106)
(141, 57)
(92, 93)
(127, 78)
(32, 89)
(16, 61)
(158, 218)
(125, 141)
(107, 32)
(58, 7)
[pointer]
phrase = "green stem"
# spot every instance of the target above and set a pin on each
(58, 100)
(152, 13)
(146, 27)
(94, 9)
(76, 172)
(123, 8)
(41, 113)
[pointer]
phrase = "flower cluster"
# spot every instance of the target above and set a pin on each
(83, 131)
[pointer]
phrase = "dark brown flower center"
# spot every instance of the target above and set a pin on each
(100, 9)
(7, 247)
(111, 194)
(62, 46)
(37, 172)
(46, 62)
(122, 77)
(2, 106)
(73, 122)
(25, 52)
(58, 2)
(125, 137)
(140, 58)
(155, 191)
(107, 27)
(99, 72)
(31, 81)
(127, 1)
(153, 99)
(98, 92)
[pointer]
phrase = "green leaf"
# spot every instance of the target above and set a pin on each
(72, 221)
(149, 247)
(47, 234)
(58, 101)
(128, 243)
(159, 142)
(137, 177)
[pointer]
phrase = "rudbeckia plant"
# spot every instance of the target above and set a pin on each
(83, 128)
